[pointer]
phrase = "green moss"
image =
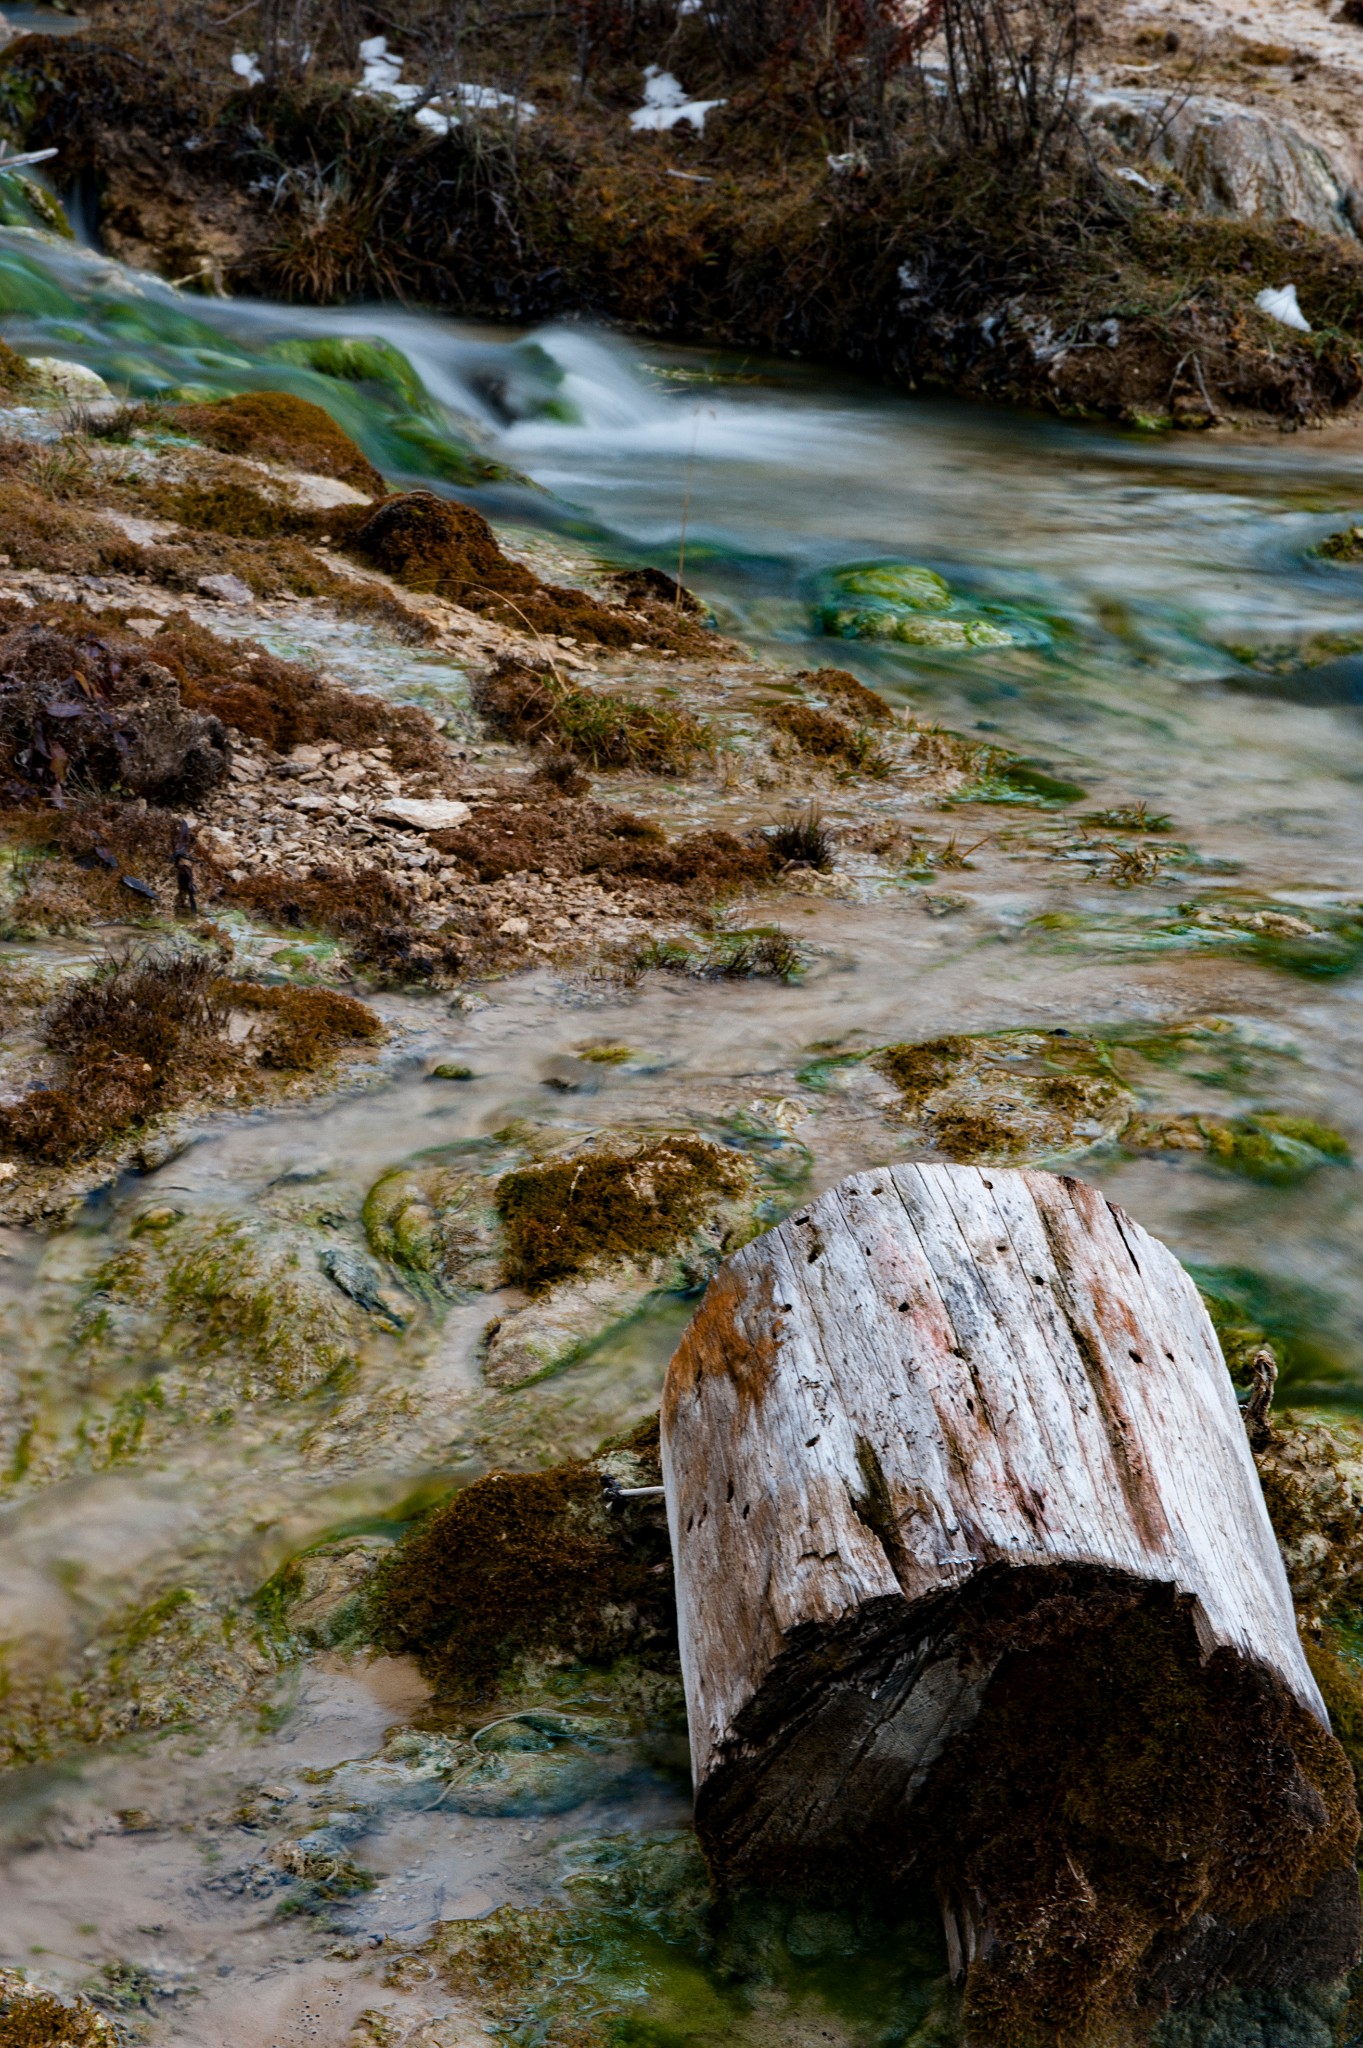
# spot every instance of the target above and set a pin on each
(239, 1288)
(643, 1956)
(572, 1214)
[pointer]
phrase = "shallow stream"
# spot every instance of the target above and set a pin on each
(1177, 645)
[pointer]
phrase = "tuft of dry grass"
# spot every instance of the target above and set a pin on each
(600, 727)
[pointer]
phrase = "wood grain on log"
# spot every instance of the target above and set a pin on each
(930, 1440)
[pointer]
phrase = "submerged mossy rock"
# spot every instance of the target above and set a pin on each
(1279, 1149)
(438, 1225)
(903, 602)
(1009, 1093)
(533, 1569)
(226, 1304)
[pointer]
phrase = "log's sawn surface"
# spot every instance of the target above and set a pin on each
(937, 1386)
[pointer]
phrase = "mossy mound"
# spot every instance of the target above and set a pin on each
(1009, 1093)
(829, 737)
(277, 427)
(607, 1205)
(433, 544)
(531, 1568)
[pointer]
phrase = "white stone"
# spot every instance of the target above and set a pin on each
(422, 813)
(227, 589)
(70, 380)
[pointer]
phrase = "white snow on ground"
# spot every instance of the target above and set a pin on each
(246, 65)
(381, 76)
(665, 104)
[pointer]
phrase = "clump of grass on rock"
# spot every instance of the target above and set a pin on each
(599, 727)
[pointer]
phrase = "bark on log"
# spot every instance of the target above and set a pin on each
(977, 1589)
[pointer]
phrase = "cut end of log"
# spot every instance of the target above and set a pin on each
(977, 1591)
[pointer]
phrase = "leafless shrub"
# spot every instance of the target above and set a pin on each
(1011, 67)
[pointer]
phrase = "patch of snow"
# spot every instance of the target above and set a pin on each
(1130, 177)
(1282, 306)
(665, 104)
(246, 65)
(854, 161)
(381, 76)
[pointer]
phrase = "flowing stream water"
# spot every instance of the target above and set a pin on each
(1183, 648)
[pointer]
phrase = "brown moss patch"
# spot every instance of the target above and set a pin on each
(564, 836)
(142, 1036)
(285, 704)
(842, 690)
(1008, 1093)
(632, 1204)
(432, 544)
(600, 727)
(30, 2018)
(65, 539)
(377, 916)
(306, 1028)
(17, 378)
(1117, 1793)
(277, 427)
(526, 1566)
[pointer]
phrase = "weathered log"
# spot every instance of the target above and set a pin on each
(977, 1590)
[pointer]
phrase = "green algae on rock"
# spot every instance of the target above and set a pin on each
(437, 1224)
(899, 601)
(1266, 1146)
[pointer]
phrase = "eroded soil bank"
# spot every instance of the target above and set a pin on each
(493, 176)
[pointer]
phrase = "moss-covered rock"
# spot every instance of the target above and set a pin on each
(1268, 1146)
(438, 1225)
(1005, 1094)
(532, 1569)
(33, 2018)
(903, 602)
(229, 1304)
